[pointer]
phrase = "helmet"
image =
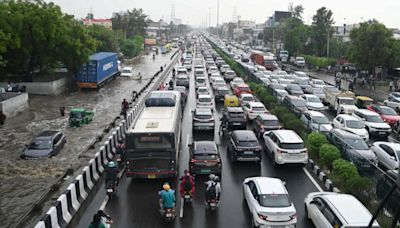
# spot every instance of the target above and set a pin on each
(120, 141)
(186, 171)
(216, 179)
(212, 176)
(166, 187)
(111, 164)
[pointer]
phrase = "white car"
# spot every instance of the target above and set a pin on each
(317, 83)
(393, 102)
(388, 154)
(181, 70)
(316, 121)
(280, 94)
(284, 82)
(301, 75)
(330, 209)
(253, 109)
(313, 102)
(212, 69)
(269, 202)
(188, 65)
(200, 82)
(285, 146)
(198, 73)
(218, 82)
(245, 98)
(204, 101)
(127, 72)
(351, 124)
(202, 91)
(300, 62)
(236, 81)
(373, 122)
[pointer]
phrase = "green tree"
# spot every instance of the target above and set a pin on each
(132, 22)
(132, 47)
(372, 45)
(106, 39)
(298, 12)
(296, 34)
(321, 29)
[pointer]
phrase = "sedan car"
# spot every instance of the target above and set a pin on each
(204, 101)
(317, 83)
(313, 102)
(46, 144)
(253, 109)
(202, 91)
(388, 154)
(351, 124)
(239, 89)
(127, 72)
(330, 209)
(245, 98)
(205, 158)
(269, 202)
(294, 89)
(295, 104)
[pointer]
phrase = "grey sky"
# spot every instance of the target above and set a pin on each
(195, 12)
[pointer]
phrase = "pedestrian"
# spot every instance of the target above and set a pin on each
(161, 87)
(2, 118)
(161, 69)
(62, 111)
(391, 84)
(373, 84)
(9, 87)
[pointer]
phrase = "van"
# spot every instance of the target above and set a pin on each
(231, 101)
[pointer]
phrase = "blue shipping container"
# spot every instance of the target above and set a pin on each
(101, 67)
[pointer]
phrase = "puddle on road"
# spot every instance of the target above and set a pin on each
(23, 181)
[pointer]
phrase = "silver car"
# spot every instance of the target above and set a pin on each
(388, 154)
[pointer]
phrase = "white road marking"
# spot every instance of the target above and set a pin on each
(104, 204)
(312, 180)
(181, 209)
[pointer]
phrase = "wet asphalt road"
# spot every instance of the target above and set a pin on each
(136, 201)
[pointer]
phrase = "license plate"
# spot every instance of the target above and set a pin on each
(151, 176)
(248, 152)
(382, 133)
(205, 171)
(236, 124)
(168, 215)
(109, 190)
(213, 204)
(187, 196)
(119, 159)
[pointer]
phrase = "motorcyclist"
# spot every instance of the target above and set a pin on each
(171, 85)
(187, 183)
(167, 197)
(139, 75)
(120, 149)
(218, 187)
(211, 185)
(111, 174)
(154, 56)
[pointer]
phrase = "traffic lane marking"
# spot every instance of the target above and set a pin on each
(312, 180)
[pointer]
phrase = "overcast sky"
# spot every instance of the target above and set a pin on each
(195, 12)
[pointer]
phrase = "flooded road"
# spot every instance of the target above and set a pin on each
(24, 181)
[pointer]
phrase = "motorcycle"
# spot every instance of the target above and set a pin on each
(120, 161)
(212, 204)
(169, 214)
(187, 197)
(110, 189)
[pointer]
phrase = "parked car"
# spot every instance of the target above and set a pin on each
(388, 114)
(204, 101)
(351, 124)
(182, 80)
(269, 202)
(203, 119)
(285, 146)
(44, 145)
(388, 154)
(313, 102)
(353, 148)
(244, 146)
(316, 121)
(253, 109)
(205, 158)
(127, 72)
(330, 209)
(295, 104)
(265, 122)
(220, 92)
(373, 123)
(294, 90)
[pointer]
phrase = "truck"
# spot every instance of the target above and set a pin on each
(341, 102)
(101, 68)
(283, 56)
(265, 60)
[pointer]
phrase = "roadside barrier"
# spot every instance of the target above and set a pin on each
(69, 203)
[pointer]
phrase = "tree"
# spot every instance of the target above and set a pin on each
(132, 47)
(321, 30)
(295, 36)
(372, 45)
(106, 39)
(298, 12)
(133, 22)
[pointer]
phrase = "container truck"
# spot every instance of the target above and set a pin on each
(101, 68)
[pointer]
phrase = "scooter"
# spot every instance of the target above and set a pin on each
(212, 204)
(169, 214)
(187, 197)
(110, 189)
(120, 161)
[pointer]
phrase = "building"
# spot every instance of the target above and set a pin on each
(343, 32)
(246, 24)
(157, 29)
(277, 18)
(103, 22)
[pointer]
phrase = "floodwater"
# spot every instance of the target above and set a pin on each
(23, 182)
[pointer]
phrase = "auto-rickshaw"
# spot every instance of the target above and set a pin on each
(231, 101)
(363, 101)
(80, 116)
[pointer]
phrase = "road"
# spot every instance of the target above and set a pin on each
(136, 203)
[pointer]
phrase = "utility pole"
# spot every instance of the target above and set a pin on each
(209, 17)
(218, 19)
(327, 44)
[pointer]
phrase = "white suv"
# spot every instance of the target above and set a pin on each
(285, 146)
(329, 209)
(373, 122)
(253, 109)
(269, 202)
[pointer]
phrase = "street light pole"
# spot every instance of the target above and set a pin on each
(218, 18)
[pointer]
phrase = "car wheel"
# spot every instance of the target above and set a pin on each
(273, 160)
(397, 109)
(306, 212)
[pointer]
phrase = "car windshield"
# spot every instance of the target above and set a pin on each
(244, 88)
(76, 115)
(248, 98)
(374, 119)
(332, 89)
(204, 99)
(317, 82)
(299, 103)
(200, 80)
(313, 99)
(321, 120)
(248, 143)
(271, 123)
(346, 101)
(356, 124)
(274, 200)
(203, 116)
(126, 71)
(40, 144)
(357, 144)
(291, 146)
(303, 82)
(277, 86)
(388, 111)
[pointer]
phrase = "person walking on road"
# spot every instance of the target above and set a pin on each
(391, 84)
(2, 118)
(62, 111)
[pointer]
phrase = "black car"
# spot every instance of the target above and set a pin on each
(46, 144)
(384, 183)
(243, 145)
(204, 158)
(234, 118)
(220, 92)
(273, 86)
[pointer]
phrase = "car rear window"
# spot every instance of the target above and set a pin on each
(200, 80)
(248, 98)
(206, 156)
(274, 200)
(292, 146)
(258, 109)
(204, 99)
(203, 117)
(249, 143)
(271, 122)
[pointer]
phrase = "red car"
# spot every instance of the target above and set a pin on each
(388, 114)
(239, 89)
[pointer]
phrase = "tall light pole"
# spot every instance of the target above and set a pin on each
(217, 18)
(209, 17)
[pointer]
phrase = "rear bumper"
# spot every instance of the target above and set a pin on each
(205, 170)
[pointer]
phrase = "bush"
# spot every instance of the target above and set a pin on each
(279, 110)
(286, 117)
(269, 101)
(295, 125)
(344, 170)
(314, 142)
(357, 185)
(328, 153)
(319, 62)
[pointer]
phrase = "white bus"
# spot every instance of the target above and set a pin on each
(153, 140)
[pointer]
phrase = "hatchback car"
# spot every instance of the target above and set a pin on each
(199, 72)
(220, 92)
(204, 101)
(265, 122)
(317, 83)
(253, 109)
(351, 124)
(388, 154)
(218, 82)
(202, 91)
(46, 144)
(330, 209)
(127, 72)
(229, 75)
(203, 119)
(269, 202)
(373, 123)
(313, 102)
(212, 69)
(205, 158)
(285, 146)
(245, 98)
(243, 145)
(236, 81)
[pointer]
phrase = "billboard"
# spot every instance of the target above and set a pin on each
(150, 42)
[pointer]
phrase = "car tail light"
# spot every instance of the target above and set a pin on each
(263, 217)
(294, 216)
(193, 160)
